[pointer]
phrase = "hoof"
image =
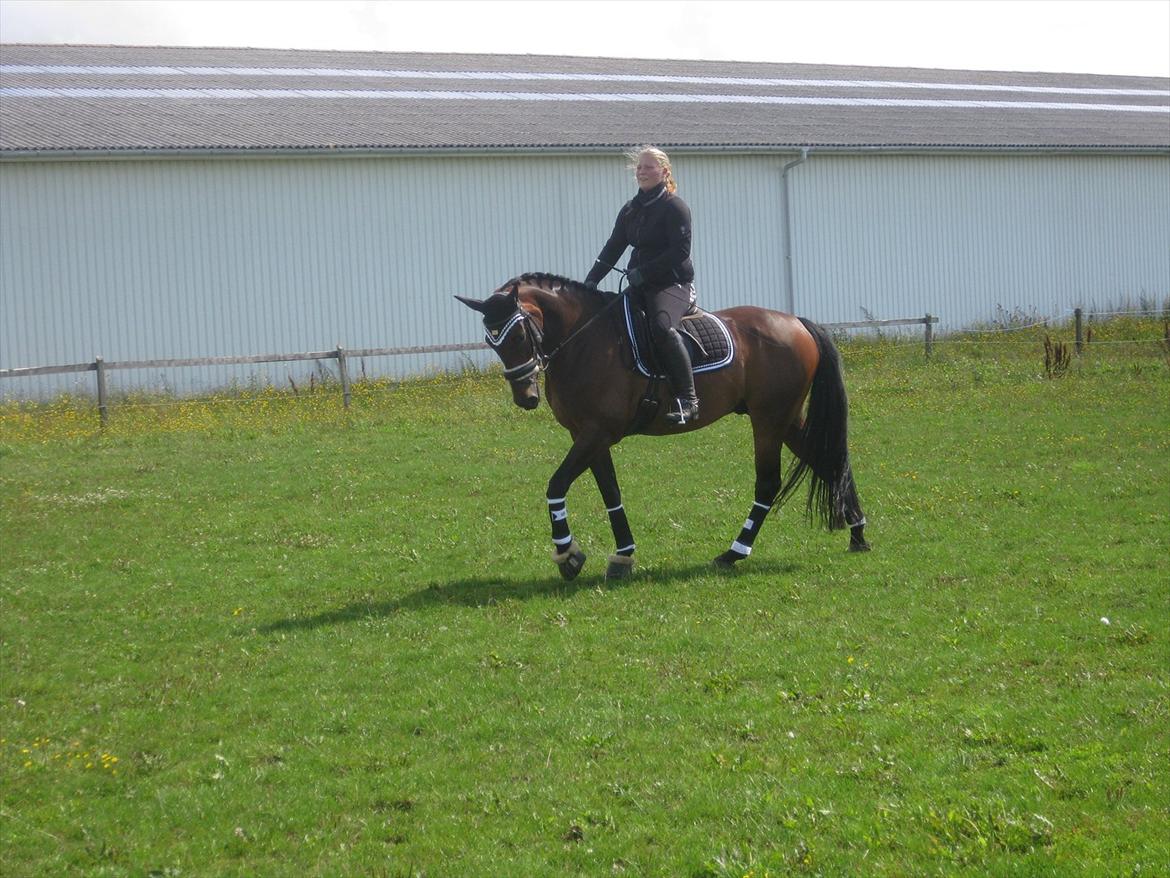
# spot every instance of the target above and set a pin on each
(863, 546)
(727, 560)
(620, 567)
(570, 561)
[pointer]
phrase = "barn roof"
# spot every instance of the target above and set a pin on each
(120, 98)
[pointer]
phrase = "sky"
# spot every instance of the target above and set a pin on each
(1127, 37)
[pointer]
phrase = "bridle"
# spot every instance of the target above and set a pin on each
(496, 333)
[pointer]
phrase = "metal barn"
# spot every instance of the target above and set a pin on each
(178, 203)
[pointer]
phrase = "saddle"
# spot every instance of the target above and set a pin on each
(707, 339)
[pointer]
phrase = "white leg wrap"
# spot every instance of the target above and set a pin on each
(737, 546)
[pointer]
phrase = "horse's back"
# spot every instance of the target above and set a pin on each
(753, 326)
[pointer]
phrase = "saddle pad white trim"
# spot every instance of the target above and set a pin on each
(706, 367)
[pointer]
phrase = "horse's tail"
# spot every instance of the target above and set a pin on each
(824, 439)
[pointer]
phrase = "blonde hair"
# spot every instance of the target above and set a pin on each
(659, 156)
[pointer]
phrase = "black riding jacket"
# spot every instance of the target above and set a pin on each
(658, 226)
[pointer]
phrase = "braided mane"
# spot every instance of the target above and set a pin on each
(551, 282)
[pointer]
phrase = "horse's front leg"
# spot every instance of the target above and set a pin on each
(566, 553)
(621, 562)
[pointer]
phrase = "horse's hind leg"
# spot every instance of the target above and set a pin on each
(854, 517)
(850, 502)
(621, 562)
(766, 438)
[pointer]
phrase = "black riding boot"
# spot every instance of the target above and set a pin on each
(677, 363)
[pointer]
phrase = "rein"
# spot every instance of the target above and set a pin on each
(548, 357)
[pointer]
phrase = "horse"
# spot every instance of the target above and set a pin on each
(573, 334)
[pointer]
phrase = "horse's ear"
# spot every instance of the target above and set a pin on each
(473, 304)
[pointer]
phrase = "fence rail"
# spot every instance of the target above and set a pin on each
(341, 354)
(927, 322)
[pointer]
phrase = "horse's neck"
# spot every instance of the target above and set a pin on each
(562, 312)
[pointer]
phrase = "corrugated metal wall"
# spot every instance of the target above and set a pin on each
(140, 259)
(964, 236)
(160, 259)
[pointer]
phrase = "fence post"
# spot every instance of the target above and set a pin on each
(929, 336)
(345, 395)
(103, 407)
(1080, 337)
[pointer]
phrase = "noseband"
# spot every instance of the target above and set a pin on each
(497, 332)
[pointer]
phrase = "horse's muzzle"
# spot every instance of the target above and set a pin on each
(526, 394)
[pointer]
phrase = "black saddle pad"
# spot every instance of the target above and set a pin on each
(705, 335)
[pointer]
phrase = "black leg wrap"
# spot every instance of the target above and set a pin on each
(559, 515)
(747, 535)
(622, 536)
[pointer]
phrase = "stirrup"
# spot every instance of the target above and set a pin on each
(687, 411)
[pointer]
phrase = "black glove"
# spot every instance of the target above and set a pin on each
(591, 285)
(634, 276)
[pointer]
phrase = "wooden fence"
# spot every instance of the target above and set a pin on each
(100, 367)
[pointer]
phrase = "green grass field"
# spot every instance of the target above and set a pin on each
(262, 636)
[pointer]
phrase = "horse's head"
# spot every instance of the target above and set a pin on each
(515, 335)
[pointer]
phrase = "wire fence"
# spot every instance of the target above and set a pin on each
(1012, 334)
(101, 367)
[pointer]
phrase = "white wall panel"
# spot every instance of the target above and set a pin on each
(134, 260)
(965, 236)
(140, 259)
(738, 250)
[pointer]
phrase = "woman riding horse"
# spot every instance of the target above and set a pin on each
(541, 322)
(657, 223)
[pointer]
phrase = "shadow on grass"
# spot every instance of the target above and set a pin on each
(480, 592)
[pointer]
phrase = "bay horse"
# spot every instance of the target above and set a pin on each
(540, 322)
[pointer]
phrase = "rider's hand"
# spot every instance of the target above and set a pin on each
(634, 276)
(591, 285)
